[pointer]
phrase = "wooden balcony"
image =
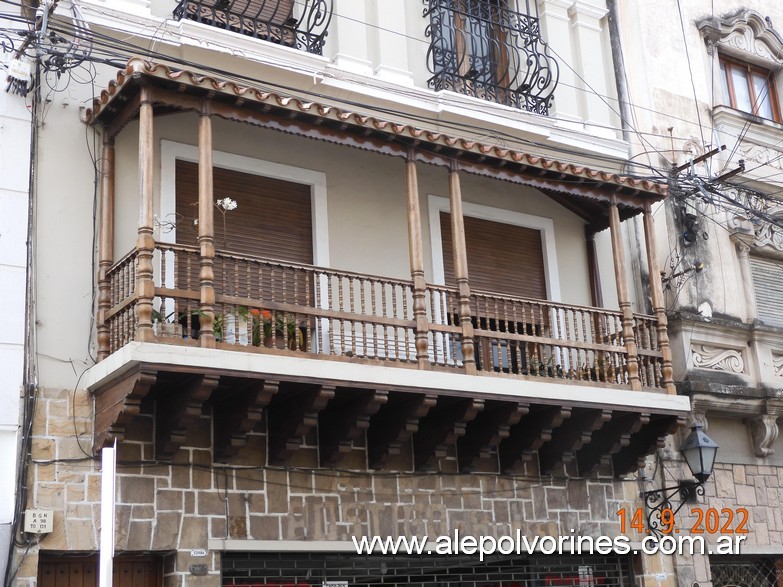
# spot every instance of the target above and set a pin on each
(403, 371)
(271, 307)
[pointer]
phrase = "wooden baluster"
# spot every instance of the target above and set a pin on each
(297, 342)
(363, 318)
(145, 242)
(395, 330)
(105, 246)
(372, 309)
(407, 333)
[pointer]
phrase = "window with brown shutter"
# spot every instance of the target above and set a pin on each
(272, 219)
(503, 258)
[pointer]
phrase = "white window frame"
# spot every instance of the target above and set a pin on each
(438, 204)
(171, 151)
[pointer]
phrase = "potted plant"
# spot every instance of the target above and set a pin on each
(275, 329)
(165, 325)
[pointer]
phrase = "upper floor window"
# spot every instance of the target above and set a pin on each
(302, 24)
(490, 49)
(749, 88)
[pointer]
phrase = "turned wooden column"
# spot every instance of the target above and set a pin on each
(416, 254)
(656, 293)
(461, 268)
(145, 243)
(105, 246)
(629, 340)
(206, 229)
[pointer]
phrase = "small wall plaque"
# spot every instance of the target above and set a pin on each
(38, 521)
(198, 569)
(198, 552)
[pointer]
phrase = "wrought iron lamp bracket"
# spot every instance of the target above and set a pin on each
(657, 501)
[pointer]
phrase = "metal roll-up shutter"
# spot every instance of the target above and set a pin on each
(272, 220)
(768, 288)
(502, 258)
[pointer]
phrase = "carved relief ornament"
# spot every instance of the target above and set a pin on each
(717, 358)
(743, 32)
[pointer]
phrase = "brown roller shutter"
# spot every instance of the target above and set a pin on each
(502, 258)
(272, 219)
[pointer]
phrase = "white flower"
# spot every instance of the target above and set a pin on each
(226, 204)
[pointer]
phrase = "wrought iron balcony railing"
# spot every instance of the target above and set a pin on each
(301, 24)
(483, 48)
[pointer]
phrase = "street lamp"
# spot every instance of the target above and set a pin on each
(699, 451)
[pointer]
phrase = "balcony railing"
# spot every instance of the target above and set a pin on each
(269, 306)
(485, 49)
(301, 24)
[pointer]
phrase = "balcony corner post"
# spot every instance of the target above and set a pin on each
(629, 340)
(416, 254)
(145, 243)
(461, 269)
(206, 230)
(105, 245)
(656, 293)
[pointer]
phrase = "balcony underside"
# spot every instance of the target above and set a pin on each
(484, 424)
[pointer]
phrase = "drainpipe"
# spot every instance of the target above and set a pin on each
(638, 265)
(618, 62)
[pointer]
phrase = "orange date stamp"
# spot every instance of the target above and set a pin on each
(707, 521)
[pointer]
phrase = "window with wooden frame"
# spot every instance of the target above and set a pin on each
(749, 88)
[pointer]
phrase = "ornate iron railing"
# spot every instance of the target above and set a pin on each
(301, 24)
(269, 306)
(486, 49)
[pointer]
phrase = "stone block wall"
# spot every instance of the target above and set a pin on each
(172, 508)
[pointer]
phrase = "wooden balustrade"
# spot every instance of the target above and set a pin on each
(541, 338)
(121, 317)
(269, 306)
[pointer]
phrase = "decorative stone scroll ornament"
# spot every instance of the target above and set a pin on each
(717, 358)
(777, 364)
(764, 431)
(743, 32)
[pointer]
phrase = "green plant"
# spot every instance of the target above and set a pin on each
(282, 325)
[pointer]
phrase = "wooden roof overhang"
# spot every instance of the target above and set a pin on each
(526, 434)
(586, 192)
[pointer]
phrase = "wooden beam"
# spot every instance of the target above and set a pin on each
(237, 408)
(441, 427)
(649, 438)
(416, 257)
(105, 247)
(344, 421)
(178, 408)
(487, 430)
(394, 424)
(530, 434)
(145, 243)
(567, 440)
(656, 293)
(596, 295)
(618, 254)
(117, 405)
(609, 440)
(291, 415)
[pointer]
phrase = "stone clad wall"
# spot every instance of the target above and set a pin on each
(176, 507)
(173, 508)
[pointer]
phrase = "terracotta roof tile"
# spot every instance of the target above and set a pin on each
(137, 66)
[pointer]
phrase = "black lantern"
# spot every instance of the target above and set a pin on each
(699, 451)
